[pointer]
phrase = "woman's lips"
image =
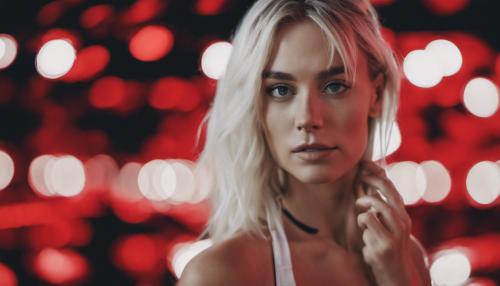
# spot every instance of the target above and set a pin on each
(316, 154)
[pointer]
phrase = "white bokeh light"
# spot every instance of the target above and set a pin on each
(184, 252)
(203, 181)
(481, 97)
(438, 181)
(65, 176)
(157, 180)
(6, 169)
(446, 54)
(37, 172)
(2, 48)
(483, 182)
(394, 142)
(55, 59)
(450, 267)
(9, 53)
(409, 179)
(185, 186)
(215, 58)
(125, 185)
(421, 69)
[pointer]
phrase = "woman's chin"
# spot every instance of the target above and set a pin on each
(316, 178)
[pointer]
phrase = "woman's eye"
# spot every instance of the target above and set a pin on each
(279, 91)
(335, 87)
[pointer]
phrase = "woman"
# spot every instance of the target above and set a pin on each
(290, 137)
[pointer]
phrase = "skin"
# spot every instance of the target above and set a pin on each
(301, 106)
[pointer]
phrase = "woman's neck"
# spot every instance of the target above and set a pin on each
(321, 206)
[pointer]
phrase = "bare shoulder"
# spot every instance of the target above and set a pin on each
(227, 263)
(421, 260)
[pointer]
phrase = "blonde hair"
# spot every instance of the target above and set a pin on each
(246, 179)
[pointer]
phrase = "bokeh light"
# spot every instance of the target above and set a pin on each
(450, 268)
(100, 172)
(126, 184)
(174, 93)
(444, 8)
(7, 276)
(107, 92)
(157, 180)
(185, 181)
(210, 7)
(66, 176)
(215, 58)
(2, 48)
(446, 54)
(483, 182)
(203, 181)
(8, 50)
(90, 61)
(409, 179)
(55, 59)
(96, 15)
(6, 169)
(438, 181)
(137, 254)
(37, 175)
(481, 97)
(151, 43)
(421, 69)
(60, 266)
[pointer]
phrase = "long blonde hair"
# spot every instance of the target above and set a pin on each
(246, 180)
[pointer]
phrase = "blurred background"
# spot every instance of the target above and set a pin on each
(100, 103)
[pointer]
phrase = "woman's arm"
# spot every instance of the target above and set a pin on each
(395, 257)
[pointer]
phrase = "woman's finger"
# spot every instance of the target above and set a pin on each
(388, 216)
(370, 223)
(387, 189)
(390, 191)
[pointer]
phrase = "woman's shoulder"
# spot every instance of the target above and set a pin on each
(230, 262)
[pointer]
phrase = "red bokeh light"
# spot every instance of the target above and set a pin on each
(96, 15)
(131, 212)
(210, 7)
(55, 34)
(441, 7)
(60, 266)
(60, 234)
(174, 93)
(138, 254)
(50, 13)
(107, 92)
(143, 10)
(151, 43)
(89, 62)
(7, 276)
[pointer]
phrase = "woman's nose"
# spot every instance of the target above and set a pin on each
(309, 115)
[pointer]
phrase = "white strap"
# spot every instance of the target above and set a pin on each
(282, 258)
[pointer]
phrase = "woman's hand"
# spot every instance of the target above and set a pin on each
(385, 227)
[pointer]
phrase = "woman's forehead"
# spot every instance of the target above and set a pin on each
(303, 43)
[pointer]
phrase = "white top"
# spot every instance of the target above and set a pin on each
(282, 259)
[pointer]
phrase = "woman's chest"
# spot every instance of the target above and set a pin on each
(328, 266)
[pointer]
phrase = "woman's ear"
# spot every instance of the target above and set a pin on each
(376, 96)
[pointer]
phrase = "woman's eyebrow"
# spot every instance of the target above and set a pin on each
(286, 76)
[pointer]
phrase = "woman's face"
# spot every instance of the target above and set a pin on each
(308, 101)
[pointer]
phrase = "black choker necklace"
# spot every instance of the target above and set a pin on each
(299, 224)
